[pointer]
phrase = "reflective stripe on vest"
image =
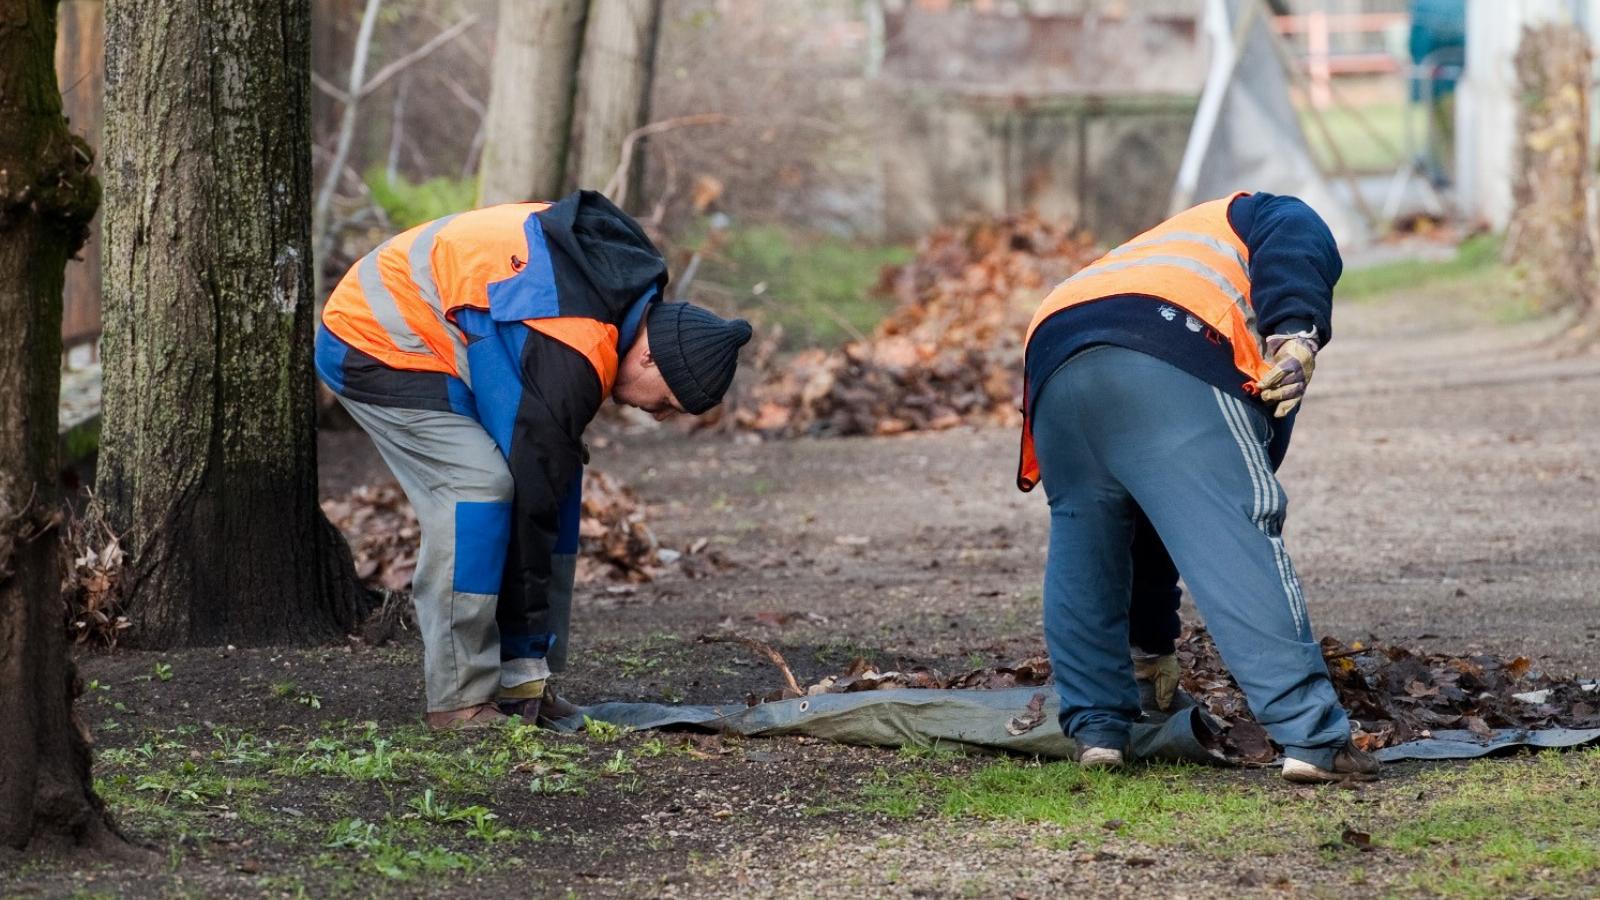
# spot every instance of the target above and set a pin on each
(391, 306)
(1194, 261)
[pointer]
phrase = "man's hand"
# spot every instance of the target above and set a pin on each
(1294, 358)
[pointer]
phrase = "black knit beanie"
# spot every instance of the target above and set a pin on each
(697, 351)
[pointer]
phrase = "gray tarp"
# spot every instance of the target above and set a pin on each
(976, 719)
(896, 718)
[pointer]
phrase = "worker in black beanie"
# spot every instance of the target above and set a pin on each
(697, 352)
(476, 363)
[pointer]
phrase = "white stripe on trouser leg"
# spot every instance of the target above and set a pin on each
(1267, 501)
(1286, 573)
(1291, 584)
(1233, 428)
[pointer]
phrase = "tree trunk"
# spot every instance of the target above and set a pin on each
(1550, 233)
(614, 88)
(47, 198)
(530, 100)
(208, 464)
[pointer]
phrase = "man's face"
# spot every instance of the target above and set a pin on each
(639, 382)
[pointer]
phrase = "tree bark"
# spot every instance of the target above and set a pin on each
(535, 75)
(47, 198)
(614, 88)
(1550, 234)
(208, 458)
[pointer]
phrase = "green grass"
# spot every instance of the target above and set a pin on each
(1490, 828)
(400, 803)
(818, 287)
(1476, 258)
(1529, 827)
(408, 204)
(1354, 139)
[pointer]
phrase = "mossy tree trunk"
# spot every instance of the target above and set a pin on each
(208, 458)
(47, 198)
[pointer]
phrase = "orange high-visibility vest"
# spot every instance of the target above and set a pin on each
(398, 303)
(1194, 261)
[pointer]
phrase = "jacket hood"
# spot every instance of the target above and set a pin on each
(602, 260)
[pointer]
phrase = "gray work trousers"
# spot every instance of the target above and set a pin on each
(452, 472)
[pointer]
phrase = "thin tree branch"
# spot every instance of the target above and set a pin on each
(416, 56)
(347, 130)
(329, 88)
(615, 187)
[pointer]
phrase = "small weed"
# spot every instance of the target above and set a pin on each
(617, 766)
(388, 858)
(352, 834)
(163, 671)
(482, 825)
(551, 785)
(429, 808)
(287, 689)
(603, 732)
(243, 750)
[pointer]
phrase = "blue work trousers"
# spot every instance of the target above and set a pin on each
(1120, 433)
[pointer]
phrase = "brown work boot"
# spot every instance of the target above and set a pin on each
(1349, 764)
(555, 708)
(523, 701)
(484, 715)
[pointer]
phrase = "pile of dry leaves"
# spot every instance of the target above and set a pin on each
(616, 544)
(950, 353)
(89, 586)
(1394, 695)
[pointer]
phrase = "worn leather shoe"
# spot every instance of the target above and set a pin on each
(1349, 764)
(484, 715)
(555, 708)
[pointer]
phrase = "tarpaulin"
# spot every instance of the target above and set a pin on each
(975, 719)
(1016, 720)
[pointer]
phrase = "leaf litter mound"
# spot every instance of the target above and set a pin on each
(949, 354)
(1394, 694)
(616, 544)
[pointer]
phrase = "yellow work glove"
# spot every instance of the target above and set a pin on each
(1162, 673)
(1293, 358)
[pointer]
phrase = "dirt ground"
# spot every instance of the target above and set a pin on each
(1444, 494)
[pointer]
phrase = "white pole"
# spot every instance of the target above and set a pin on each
(1224, 60)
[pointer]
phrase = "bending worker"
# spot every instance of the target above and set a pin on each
(1156, 379)
(475, 349)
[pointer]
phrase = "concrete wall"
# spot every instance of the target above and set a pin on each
(1081, 116)
(1106, 163)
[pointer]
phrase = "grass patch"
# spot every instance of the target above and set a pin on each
(818, 287)
(1156, 805)
(401, 803)
(1354, 139)
(1528, 826)
(1478, 256)
(1501, 829)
